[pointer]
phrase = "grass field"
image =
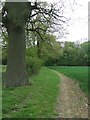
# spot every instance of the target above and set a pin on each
(39, 100)
(79, 74)
(35, 101)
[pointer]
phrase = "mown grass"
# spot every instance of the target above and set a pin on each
(35, 101)
(79, 74)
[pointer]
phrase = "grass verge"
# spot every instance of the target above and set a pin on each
(35, 101)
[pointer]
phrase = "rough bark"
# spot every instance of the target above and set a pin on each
(16, 68)
(15, 23)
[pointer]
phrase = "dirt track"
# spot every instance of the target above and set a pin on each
(72, 102)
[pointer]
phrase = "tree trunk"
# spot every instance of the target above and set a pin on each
(15, 21)
(16, 67)
(38, 49)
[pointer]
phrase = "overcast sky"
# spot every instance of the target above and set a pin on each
(78, 29)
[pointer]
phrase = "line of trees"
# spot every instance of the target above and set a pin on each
(72, 55)
(52, 52)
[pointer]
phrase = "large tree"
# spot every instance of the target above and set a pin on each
(15, 15)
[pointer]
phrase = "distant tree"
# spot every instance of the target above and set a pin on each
(69, 54)
(85, 53)
(50, 49)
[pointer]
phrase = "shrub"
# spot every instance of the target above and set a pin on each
(4, 56)
(33, 64)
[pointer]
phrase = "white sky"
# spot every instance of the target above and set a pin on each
(78, 28)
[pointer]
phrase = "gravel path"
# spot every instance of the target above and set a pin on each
(72, 102)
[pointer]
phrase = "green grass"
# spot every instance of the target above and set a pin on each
(2, 68)
(0, 92)
(79, 74)
(35, 101)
